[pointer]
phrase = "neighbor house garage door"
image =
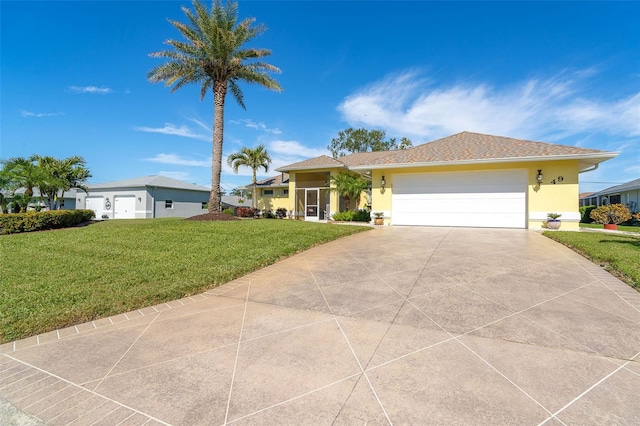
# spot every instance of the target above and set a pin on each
(124, 207)
(95, 204)
(495, 199)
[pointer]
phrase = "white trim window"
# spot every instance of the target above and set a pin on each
(168, 204)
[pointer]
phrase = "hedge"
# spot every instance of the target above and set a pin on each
(40, 221)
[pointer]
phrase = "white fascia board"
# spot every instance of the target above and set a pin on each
(601, 157)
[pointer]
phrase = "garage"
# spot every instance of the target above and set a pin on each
(491, 199)
(95, 204)
(124, 207)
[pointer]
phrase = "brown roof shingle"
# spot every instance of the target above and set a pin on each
(467, 146)
(313, 163)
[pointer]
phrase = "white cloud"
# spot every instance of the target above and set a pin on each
(24, 113)
(90, 89)
(257, 125)
(294, 148)
(200, 123)
(183, 176)
(172, 129)
(408, 105)
(178, 161)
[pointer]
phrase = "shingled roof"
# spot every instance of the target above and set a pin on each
(465, 147)
(281, 179)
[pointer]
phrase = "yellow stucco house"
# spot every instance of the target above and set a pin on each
(467, 179)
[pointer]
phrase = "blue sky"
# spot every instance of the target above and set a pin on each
(73, 81)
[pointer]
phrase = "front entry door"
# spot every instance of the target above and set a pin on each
(312, 212)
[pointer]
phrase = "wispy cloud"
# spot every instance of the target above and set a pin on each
(172, 129)
(177, 160)
(183, 176)
(200, 123)
(24, 113)
(90, 89)
(294, 148)
(258, 125)
(407, 104)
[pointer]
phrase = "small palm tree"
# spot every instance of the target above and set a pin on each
(214, 56)
(254, 159)
(24, 173)
(350, 186)
(60, 176)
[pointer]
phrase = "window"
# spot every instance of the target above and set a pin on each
(615, 199)
(285, 192)
(168, 204)
(62, 202)
(267, 192)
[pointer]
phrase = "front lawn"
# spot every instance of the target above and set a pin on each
(54, 279)
(618, 252)
(620, 227)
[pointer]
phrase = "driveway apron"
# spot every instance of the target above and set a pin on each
(398, 325)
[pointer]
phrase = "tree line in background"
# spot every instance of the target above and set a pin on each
(51, 176)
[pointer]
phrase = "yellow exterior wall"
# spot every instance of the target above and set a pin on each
(561, 197)
(273, 202)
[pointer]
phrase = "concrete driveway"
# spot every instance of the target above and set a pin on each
(392, 326)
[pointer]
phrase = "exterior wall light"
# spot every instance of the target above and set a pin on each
(383, 182)
(539, 177)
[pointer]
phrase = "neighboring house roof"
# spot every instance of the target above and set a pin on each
(628, 186)
(36, 192)
(232, 200)
(150, 181)
(461, 148)
(585, 195)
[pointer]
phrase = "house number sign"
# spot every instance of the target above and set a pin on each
(557, 180)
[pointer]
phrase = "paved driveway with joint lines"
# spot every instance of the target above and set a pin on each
(398, 325)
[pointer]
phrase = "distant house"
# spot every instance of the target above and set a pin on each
(144, 197)
(628, 194)
(272, 192)
(233, 202)
(67, 201)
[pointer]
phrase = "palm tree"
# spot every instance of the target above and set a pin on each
(254, 159)
(214, 56)
(22, 173)
(60, 176)
(349, 185)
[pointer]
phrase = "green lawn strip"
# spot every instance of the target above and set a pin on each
(59, 278)
(620, 227)
(620, 254)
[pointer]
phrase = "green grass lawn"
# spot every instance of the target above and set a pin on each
(620, 227)
(59, 278)
(619, 253)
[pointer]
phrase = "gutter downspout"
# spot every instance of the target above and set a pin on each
(595, 167)
(153, 202)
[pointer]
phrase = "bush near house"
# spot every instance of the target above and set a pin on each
(281, 213)
(585, 214)
(351, 216)
(613, 213)
(246, 212)
(41, 221)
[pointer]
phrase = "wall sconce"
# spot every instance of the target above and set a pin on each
(383, 182)
(539, 177)
(140, 199)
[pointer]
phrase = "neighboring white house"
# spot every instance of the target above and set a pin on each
(628, 194)
(67, 201)
(144, 197)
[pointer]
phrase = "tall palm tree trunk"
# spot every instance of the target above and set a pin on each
(219, 93)
(254, 198)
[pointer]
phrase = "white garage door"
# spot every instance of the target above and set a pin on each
(124, 207)
(495, 199)
(95, 204)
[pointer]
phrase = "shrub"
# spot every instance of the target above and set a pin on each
(613, 213)
(351, 216)
(40, 221)
(343, 216)
(228, 211)
(585, 214)
(246, 212)
(362, 215)
(281, 212)
(268, 215)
